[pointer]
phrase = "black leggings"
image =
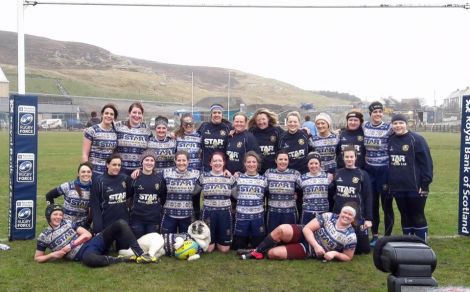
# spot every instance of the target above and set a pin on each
(363, 244)
(412, 213)
(119, 230)
(387, 206)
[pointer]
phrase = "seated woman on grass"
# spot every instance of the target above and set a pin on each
(75, 243)
(329, 236)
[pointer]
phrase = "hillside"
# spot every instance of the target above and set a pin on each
(81, 69)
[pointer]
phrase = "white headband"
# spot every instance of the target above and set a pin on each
(350, 209)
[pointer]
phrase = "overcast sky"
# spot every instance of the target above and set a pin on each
(371, 53)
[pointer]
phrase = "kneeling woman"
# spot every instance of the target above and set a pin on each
(179, 207)
(351, 185)
(217, 207)
(329, 236)
(110, 196)
(76, 196)
(76, 243)
(249, 192)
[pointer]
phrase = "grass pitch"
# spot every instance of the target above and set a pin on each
(59, 155)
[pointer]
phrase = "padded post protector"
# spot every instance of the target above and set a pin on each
(410, 252)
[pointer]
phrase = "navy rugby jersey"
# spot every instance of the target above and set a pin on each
(268, 142)
(314, 190)
(108, 200)
(351, 138)
(75, 206)
(180, 187)
(411, 166)
(249, 192)
(326, 146)
(191, 143)
(216, 190)
(281, 190)
(213, 138)
(131, 144)
(297, 145)
(103, 144)
(331, 238)
(376, 143)
(57, 238)
(148, 191)
(237, 146)
(353, 185)
(164, 151)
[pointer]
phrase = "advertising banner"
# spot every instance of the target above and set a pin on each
(23, 167)
(464, 181)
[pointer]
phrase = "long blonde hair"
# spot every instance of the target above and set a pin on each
(272, 118)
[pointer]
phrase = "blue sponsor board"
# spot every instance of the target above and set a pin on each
(464, 181)
(23, 166)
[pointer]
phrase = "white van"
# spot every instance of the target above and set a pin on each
(50, 124)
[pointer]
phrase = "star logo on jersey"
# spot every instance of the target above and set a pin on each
(157, 187)
(301, 142)
(355, 180)
(405, 147)
(149, 200)
(266, 151)
(360, 138)
(124, 184)
(273, 138)
(239, 144)
(223, 133)
(215, 143)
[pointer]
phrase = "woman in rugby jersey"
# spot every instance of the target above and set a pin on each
(189, 140)
(179, 208)
(162, 145)
(132, 138)
(110, 196)
(100, 140)
(313, 186)
(76, 196)
(281, 192)
(249, 192)
(216, 189)
(239, 143)
(214, 135)
(325, 143)
(265, 127)
(351, 185)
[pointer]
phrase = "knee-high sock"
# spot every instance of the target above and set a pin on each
(267, 243)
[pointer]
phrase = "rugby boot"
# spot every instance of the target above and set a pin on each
(145, 259)
(252, 255)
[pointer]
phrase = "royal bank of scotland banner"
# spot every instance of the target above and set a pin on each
(464, 182)
(23, 166)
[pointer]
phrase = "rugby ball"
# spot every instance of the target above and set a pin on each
(188, 249)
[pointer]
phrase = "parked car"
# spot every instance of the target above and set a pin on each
(50, 124)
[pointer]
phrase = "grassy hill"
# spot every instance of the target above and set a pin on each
(82, 69)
